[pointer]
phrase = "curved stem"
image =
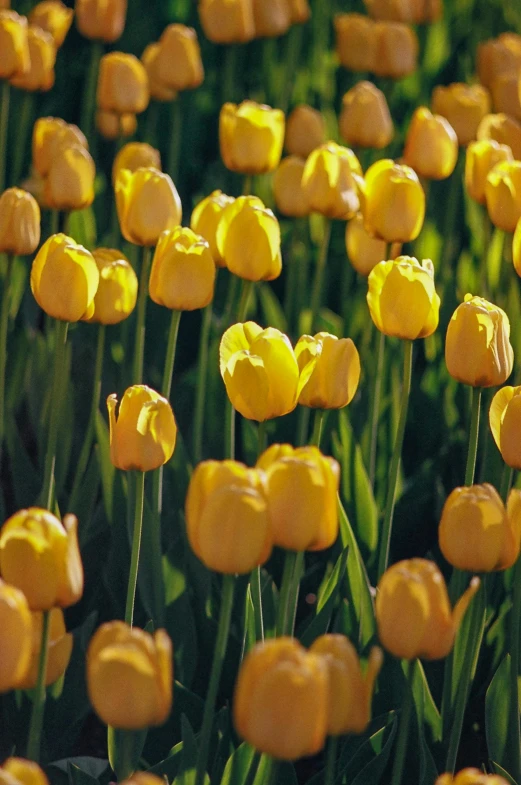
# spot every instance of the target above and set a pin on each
(473, 437)
(395, 461)
(89, 98)
(35, 727)
(200, 395)
(176, 132)
(170, 354)
(215, 675)
(375, 409)
(229, 430)
(52, 439)
(139, 350)
(515, 632)
(4, 325)
(5, 93)
(136, 545)
(403, 731)
(331, 752)
(318, 280)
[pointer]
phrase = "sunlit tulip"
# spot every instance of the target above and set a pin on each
(464, 106)
(363, 250)
(158, 90)
(14, 47)
(18, 771)
(42, 56)
(51, 135)
(69, 184)
(54, 17)
(227, 21)
(305, 130)
(251, 137)
(271, 17)
(205, 220)
(365, 119)
(102, 20)
(147, 203)
(393, 202)
(248, 240)
(116, 296)
(178, 63)
(19, 222)
(15, 637)
(503, 129)
(336, 372)
(480, 158)
(122, 84)
(431, 145)
(503, 195)
(115, 126)
(59, 649)
(328, 183)
(505, 424)
(396, 50)
(470, 777)
(355, 41)
(183, 271)
(135, 155)
(287, 188)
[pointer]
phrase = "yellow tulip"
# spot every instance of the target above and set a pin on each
(516, 248)
(271, 17)
(480, 158)
(205, 220)
(305, 131)
(503, 195)
(69, 184)
(122, 84)
(505, 94)
(147, 203)
(135, 155)
(328, 183)
(118, 287)
(503, 129)
(248, 240)
(54, 17)
(431, 145)
(51, 135)
(42, 57)
(18, 771)
(363, 251)
(15, 637)
(14, 46)
(470, 777)
(102, 20)
(19, 222)
(365, 119)
(251, 137)
(287, 188)
(336, 372)
(505, 424)
(178, 64)
(183, 271)
(392, 202)
(300, 11)
(158, 91)
(397, 48)
(227, 21)
(409, 11)
(116, 126)
(464, 106)
(59, 649)
(497, 57)
(355, 41)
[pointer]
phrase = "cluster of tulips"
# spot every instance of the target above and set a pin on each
(298, 689)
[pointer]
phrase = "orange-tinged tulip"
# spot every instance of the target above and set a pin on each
(64, 279)
(178, 63)
(503, 129)
(305, 130)
(122, 84)
(69, 184)
(15, 637)
(117, 291)
(19, 222)
(18, 771)
(431, 145)
(257, 258)
(300, 11)
(227, 519)
(135, 155)
(147, 203)
(227, 21)
(287, 188)
(129, 676)
(393, 202)
(413, 611)
(251, 136)
(113, 126)
(470, 777)
(143, 778)
(102, 20)
(505, 424)
(410, 11)
(205, 220)
(336, 370)
(14, 47)
(301, 488)
(480, 158)
(464, 106)
(477, 347)
(183, 271)
(505, 94)
(516, 248)
(271, 17)
(143, 434)
(281, 699)
(51, 135)
(363, 250)
(40, 556)
(42, 57)
(328, 183)
(158, 91)
(503, 195)
(497, 57)
(365, 119)
(396, 50)
(59, 649)
(54, 17)
(355, 41)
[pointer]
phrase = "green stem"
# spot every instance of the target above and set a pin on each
(151, 123)
(473, 438)
(4, 326)
(375, 410)
(284, 611)
(395, 461)
(403, 731)
(22, 128)
(215, 675)
(35, 727)
(293, 47)
(318, 280)
(54, 222)
(52, 438)
(515, 632)
(230, 60)
(261, 437)
(331, 753)
(229, 430)
(247, 185)
(170, 354)
(506, 482)
(88, 105)
(317, 427)
(242, 309)
(136, 545)
(139, 350)
(230, 299)
(176, 133)
(303, 425)
(256, 598)
(202, 372)
(4, 122)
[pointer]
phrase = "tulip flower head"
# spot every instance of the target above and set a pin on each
(336, 370)
(251, 137)
(54, 17)
(118, 286)
(305, 131)
(503, 129)
(287, 188)
(114, 126)
(464, 106)
(19, 222)
(14, 46)
(363, 250)
(147, 203)
(59, 649)
(271, 17)
(135, 155)
(178, 64)
(328, 181)
(205, 220)
(52, 135)
(396, 50)
(516, 248)
(355, 41)
(122, 84)
(42, 57)
(158, 90)
(392, 202)
(258, 259)
(496, 58)
(69, 184)
(18, 771)
(183, 271)
(431, 146)
(505, 424)
(480, 159)
(15, 637)
(470, 777)
(101, 20)
(503, 195)
(227, 21)
(365, 119)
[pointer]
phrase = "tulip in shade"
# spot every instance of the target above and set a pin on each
(54, 17)
(113, 126)
(69, 184)
(336, 372)
(355, 41)
(14, 46)
(19, 222)
(505, 424)
(480, 158)
(122, 84)
(505, 95)
(158, 90)
(102, 20)
(227, 21)
(503, 195)
(305, 131)
(497, 57)
(135, 155)
(205, 220)
(257, 258)
(183, 271)
(396, 50)
(328, 183)
(431, 146)
(15, 637)
(18, 771)
(363, 250)
(147, 203)
(251, 136)
(464, 106)
(178, 64)
(470, 777)
(271, 17)
(365, 119)
(59, 649)
(287, 188)
(118, 286)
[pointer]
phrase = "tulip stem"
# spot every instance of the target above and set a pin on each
(136, 545)
(89, 100)
(4, 325)
(228, 83)
(202, 372)
(256, 598)
(318, 425)
(246, 290)
(318, 280)
(176, 133)
(473, 437)
(170, 354)
(23, 125)
(139, 351)
(403, 731)
(35, 727)
(331, 753)
(4, 121)
(375, 410)
(303, 425)
(229, 430)
(261, 438)
(56, 398)
(506, 481)
(515, 631)
(395, 461)
(284, 614)
(223, 629)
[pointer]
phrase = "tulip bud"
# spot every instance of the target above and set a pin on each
(158, 91)
(363, 250)
(258, 259)
(147, 203)
(143, 435)
(393, 202)
(281, 699)
(298, 481)
(115, 126)
(15, 637)
(271, 17)
(18, 771)
(14, 46)
(64, 279)
(19, 222)
(41, 557)
(328, 183)
(305, 130)
(42, 57)
(355, 41)
(118, 286)
(481, 157)
(497, 57)
(365, 119)
(396, 50)
(205, 220)
(477, 346)
(350, 692)
(51, 135)
(503, 129)
(227, 520)
(251, 137)
(135, 155)
(178, 63)
(431, 145)
(122, 84)
(476, 532)
(505, 94)
(336, 372)
(69, 184)
(129, 676)
(402, 299)
(503, 195)
(413, 611)
(102, 20)
(227, 21)
(287, 188)
(505, 424)
(59, 649)
(464, 106)
(54, 17)
(470, 777)
(183, 271)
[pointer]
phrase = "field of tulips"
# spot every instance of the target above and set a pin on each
(260, 336)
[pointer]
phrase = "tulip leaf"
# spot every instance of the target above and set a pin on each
(497, 769)
(125, 748)
(26, 480)
(79, 777)
(82, 226)
(189, 756)
(168, 768)
(271, 308)
(327, 598)
(424, 702)
(107, 467)
(239, 764)
(150, 574)
(497, 713)
(249, 637)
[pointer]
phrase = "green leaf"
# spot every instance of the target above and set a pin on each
(189, 756)
(125, 748)
(271, 307)
(107, 467)
(372, 772)
(238, 765)
(82, 226)
(169, 767)
(79, 777)
(327, 598)
(497, 712)
(150, 575)
(497, 769)
(249, 637)
(26, 480)
(424, 702)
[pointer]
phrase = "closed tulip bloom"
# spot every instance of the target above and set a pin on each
(503, 129)
(363, 250)
(431, 145)
(477, 533)
(365, 119)
(122, 84)
(271, 17)
(227, 21)
(40, 556)
(64, 279)
(287, 188)
(51, 135)
(101, 20)
(147, 203)
(19, 222)
(300, 11)
(135, 155)
(251, 137)
(227, 520)
(336, 372)
(258, 257)
(281, 699)
(158, 91)
(505, 94)
(495, 58)
(143, 434)
(328, 183)
(113, 126)
(503, 195)
(505, 424)
(396, 50)
(350, 691)
(69, 184)
(15, 637)
(118, 286)
(477, 347)
(410, 11)
(393, 202)
(301, 488)
(402, 298)
(305, 130)
(14, 46)
(178, 64)
(205, 220)
(54, 17)
(42, 56)
(183, 271)
(355, 41)
(464, 106)
(18, 771)
(129, 676)
(59, 649)
(480, 158)
(413, 611)
(470, 777)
